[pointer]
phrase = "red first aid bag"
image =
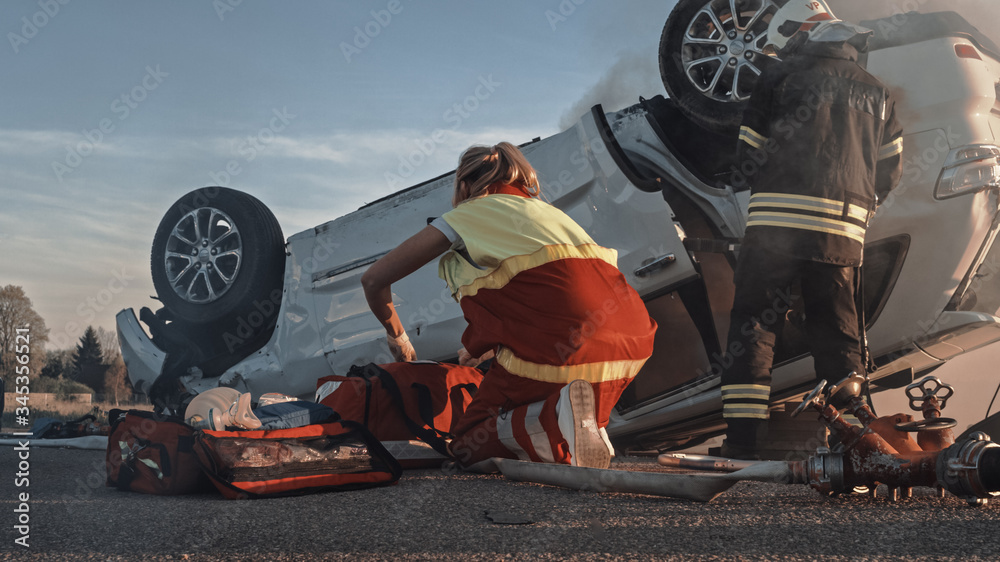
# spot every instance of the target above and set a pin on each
(153, 454)
(333, 456)
(403, 401)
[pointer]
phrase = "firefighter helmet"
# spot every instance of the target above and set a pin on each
(217, 408)
(816, 20)
(794, 17)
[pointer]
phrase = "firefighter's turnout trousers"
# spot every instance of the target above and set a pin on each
(764, 285)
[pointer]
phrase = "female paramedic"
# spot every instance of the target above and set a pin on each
(567, 331)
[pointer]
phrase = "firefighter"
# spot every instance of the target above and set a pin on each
(567, 331)
(826, 146)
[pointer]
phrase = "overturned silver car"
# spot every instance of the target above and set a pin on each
(658, 182)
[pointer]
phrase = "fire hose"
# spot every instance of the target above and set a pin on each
(880, 451)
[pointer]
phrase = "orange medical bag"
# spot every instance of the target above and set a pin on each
(403, 401)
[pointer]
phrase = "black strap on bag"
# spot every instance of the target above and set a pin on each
(429, 435)
(366, 375)
(125, 477)
(432, 437)
(455, 395)
(425, 406)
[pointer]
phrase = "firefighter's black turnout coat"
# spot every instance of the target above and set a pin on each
(820, 146)
(821, 140)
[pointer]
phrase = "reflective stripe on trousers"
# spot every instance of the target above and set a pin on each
(745, 401)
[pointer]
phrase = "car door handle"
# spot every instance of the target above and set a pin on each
(655, 265)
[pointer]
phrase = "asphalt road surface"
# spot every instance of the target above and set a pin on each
(430, 514)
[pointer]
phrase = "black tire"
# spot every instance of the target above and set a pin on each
(227, 273)
(714, 94)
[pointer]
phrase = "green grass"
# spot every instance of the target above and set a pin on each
(65, 411)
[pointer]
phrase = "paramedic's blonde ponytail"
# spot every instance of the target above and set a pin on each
(482, 166)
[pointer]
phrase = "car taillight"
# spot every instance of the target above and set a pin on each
(969, 169)
(967, 52)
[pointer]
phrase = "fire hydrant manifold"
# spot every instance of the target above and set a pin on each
(882, 450)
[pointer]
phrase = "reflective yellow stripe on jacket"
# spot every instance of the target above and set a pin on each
(752, 137)
(507, 234)
(805, 212)
(891, 149)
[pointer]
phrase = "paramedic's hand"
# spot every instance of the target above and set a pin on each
(466, 359)
(401, 348)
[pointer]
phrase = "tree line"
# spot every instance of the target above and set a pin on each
(94, 366)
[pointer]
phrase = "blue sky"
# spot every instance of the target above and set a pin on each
(115, 109)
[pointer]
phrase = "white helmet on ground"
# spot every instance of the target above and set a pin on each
(217, 408)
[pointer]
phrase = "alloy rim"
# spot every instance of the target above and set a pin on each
(203, 255)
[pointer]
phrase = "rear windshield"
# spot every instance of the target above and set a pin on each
(913, 27)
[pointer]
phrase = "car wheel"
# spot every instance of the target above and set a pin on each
(711, 53)
(218, 255)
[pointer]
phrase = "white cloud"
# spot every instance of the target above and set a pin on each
(22, 142)
(65, 241)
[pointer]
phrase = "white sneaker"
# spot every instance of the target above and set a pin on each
(578, 424)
